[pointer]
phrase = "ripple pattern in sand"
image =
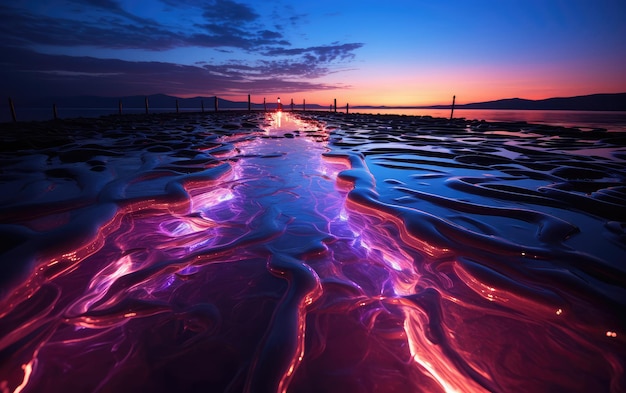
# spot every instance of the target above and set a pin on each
(319, 252)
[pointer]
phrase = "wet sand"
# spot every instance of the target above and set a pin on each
(309, 252)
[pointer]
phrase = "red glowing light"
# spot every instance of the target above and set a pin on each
(277, 261)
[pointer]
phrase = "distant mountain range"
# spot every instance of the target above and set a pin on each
(593, 102)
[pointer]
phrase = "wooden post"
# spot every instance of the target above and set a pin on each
(452, 110)
(264, 105)
(216, 104)
(177, 108)
(202, 105)
(335, 105)
(303, 105)
(347, 108)
(147, 106)
(119, 107)
(12, 110)
(54, 111)
(292, 104)
(248, 102)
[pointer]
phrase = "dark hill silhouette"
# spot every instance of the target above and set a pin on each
(593, 102)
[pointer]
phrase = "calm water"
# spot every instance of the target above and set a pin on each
(612, 121)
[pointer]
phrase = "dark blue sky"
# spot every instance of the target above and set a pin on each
(393, 53)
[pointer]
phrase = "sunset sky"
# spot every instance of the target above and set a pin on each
(403, 52)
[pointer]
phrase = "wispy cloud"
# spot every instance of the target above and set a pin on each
(228, 11)
(26, 29)
(254, 53)
(26, 71)
(324, 54)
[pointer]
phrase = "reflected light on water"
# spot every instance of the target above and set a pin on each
(280, 260)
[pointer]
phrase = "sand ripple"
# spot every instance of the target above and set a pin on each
(320, 252)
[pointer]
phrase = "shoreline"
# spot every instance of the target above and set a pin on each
(611, 121)
(195, 115)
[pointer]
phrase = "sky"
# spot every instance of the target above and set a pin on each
(361, 52)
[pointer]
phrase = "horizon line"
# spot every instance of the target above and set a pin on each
(372, 106)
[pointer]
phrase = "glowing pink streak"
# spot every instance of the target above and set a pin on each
(28, 369)
(377, 246)
(98, 289)
(304, 287)
(356, 261)
(432, 357)
(103, 280)
(428, 355)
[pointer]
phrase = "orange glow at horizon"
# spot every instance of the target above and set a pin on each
(401, 85)
(426, 97)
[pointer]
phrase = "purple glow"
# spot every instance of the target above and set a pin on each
(308, 254)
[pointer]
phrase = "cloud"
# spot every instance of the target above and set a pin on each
(237, 25)
(25, 72)
(27, 29)
(325, 54)
(227, 11)
(117, 29)
(111, 6)
(218, 35)
(255, 55)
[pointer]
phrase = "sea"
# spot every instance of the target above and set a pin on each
(614, 121)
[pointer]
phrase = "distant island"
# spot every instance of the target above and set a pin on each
(593, 102)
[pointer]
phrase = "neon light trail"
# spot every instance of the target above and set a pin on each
(281, 252)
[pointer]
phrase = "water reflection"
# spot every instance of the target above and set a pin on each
(395, 258)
